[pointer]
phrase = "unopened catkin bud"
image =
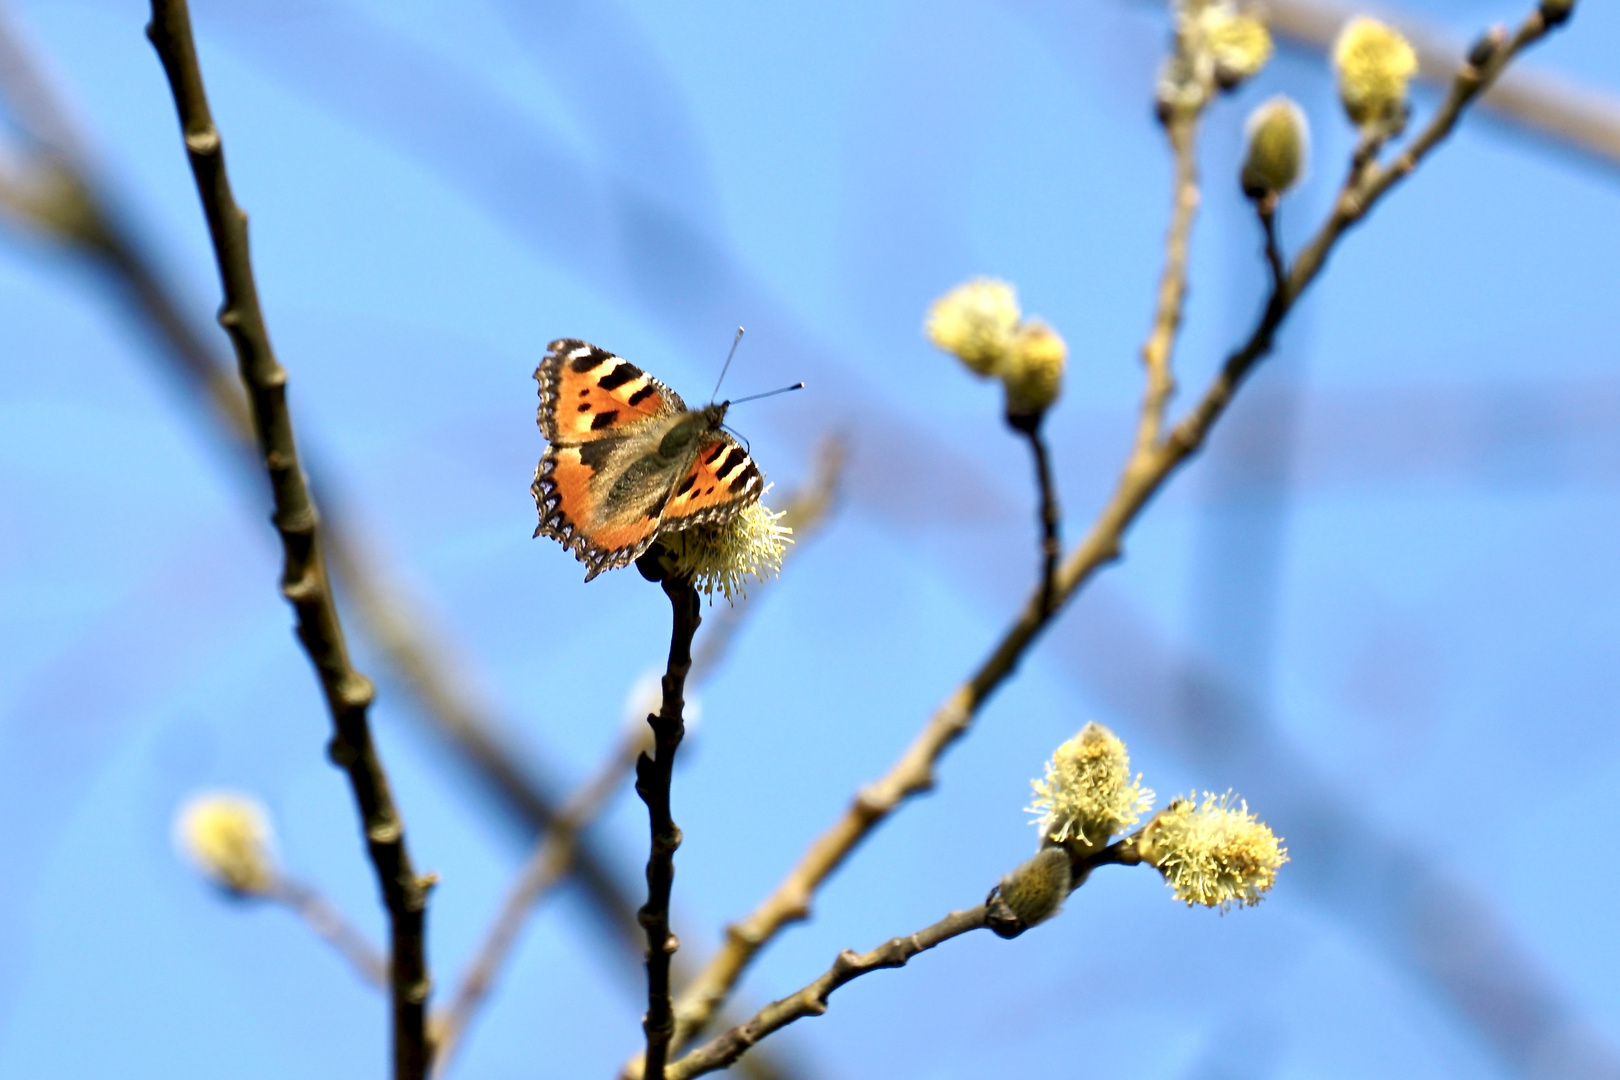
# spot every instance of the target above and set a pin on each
(1239, 43)
(1374, 63)
(1035, 889)
(976, 321)
(1556, 11)
(1033, 369)
(227, 837)
(1279, 143)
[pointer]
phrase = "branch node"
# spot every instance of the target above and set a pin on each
(204, 141)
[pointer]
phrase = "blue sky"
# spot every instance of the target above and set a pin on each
(1381, 606)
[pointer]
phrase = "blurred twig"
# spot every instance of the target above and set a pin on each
(329, 924)
(805, 511)
(1572, 115)
(551, 861)
(304, 581)
(1150, 466)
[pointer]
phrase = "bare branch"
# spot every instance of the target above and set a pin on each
(1149, 467)
(1181, 127)
(330, 926)
(304, 579)
(653, 778)
(550, 863)
(726, 1048)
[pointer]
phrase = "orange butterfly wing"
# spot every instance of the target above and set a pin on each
(602, 416)
(587, 393)
(568, 504)
(721, 480)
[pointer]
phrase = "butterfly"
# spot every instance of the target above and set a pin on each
(628, 460)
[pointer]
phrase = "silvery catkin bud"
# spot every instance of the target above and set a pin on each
(1034, 890)
(1279, 143)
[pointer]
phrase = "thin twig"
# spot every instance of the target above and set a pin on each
(330, 925)
(1181, 128)
(727, 1047)
(550, 863)
(1266, 209)
(653, 777)
(304, 579)
(1144, 474)
(994, 914)
(1050, 517)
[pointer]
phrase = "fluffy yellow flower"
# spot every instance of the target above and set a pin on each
(1375, 63)
(227, 837)
(1279, 142)
(1087, 795)
(976, 321)
(720, 557)
(1213, 853)
(1033, 369)
(1240, 44)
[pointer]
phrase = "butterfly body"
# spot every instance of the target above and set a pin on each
(627, 459)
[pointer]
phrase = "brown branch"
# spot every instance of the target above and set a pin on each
(1569, 114)
(1181, 128)
(1147, 470)
(994, 914)
(653, 778)
(1050, 517)
(550, 863)
(304, 579)
(330, 926)
(727, 1047)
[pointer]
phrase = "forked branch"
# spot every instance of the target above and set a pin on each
(1154, 459)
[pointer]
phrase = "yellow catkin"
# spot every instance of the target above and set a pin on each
(1213, 853)
(1374, 63)
(1087, 795)
(721, 558)
(1033, 369)
(1239, 43)
(976, 322)
(227, 837)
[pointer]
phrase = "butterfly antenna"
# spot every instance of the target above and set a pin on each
(768, 393)
(727, 366)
